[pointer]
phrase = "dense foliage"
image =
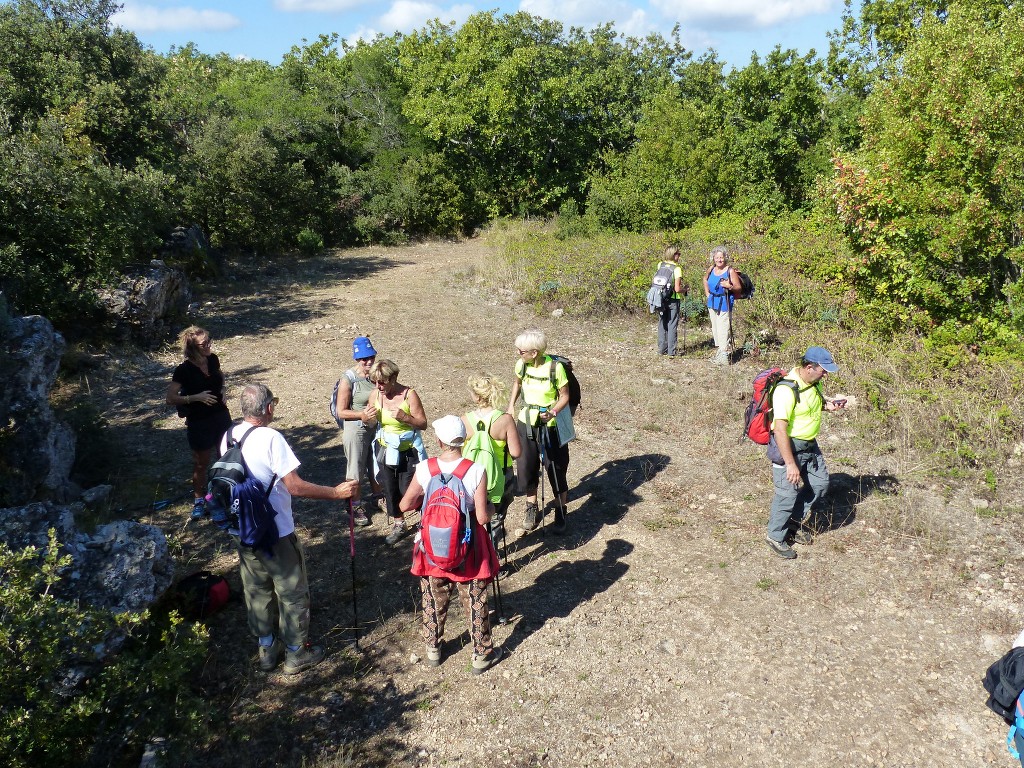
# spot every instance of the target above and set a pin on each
(62, 706)
(905, 136)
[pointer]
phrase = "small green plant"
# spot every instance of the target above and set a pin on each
(765, 583)
(425, 705)
(990, 480)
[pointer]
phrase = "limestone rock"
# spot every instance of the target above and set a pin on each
(146, 303)
(37, 451)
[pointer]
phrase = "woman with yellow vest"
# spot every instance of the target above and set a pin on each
(399, 447)
(502, 446)
(544, 386)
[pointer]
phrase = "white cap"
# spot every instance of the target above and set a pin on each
(450, 430)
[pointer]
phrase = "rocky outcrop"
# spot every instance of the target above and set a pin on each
(146, 304)
(36, 450)
(122, 566)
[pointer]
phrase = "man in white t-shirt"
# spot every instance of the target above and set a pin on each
(275, 586)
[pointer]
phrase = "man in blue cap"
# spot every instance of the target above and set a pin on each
(798, 468)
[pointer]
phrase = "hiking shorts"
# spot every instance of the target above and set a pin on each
(528, 463)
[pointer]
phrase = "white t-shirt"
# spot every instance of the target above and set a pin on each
(266, 454)
(473, 477)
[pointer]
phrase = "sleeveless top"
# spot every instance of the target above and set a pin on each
(720, 300)
(391, 425)
(362, 388)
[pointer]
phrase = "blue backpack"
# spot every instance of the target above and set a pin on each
(247, 502)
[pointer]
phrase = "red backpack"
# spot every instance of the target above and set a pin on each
(446, 529)
(758, 416)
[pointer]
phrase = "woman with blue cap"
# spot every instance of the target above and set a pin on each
(358, 420)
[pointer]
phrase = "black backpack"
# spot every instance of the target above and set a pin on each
(243, 496)
(575, 393)
(664, 281)
(1004, 681)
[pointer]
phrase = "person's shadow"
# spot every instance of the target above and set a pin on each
(608, 492)
(567, 584)
(845, 492)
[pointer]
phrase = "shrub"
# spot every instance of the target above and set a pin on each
(309, 242)
(61, 705)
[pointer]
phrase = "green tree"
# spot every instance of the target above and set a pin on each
(932, 204)
(777, 108)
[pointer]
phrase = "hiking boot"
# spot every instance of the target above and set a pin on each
(782, 549)
(198, 509)
(530, 518)
(270, 655)
(360, 518)
(803, 536)
(398, 530)
(558, 523)
(482, 663)
(298, 661)
(433, 656)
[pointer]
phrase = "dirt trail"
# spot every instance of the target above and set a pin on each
(658, 631)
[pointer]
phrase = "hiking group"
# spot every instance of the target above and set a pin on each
(463, 493)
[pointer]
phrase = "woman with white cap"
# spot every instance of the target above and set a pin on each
(358, 420)
(481, 564)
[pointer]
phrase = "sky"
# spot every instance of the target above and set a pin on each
(268, 29)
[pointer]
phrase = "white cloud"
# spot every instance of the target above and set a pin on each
(407, 15)
(727, 14)
(148, 18)
(317, 6)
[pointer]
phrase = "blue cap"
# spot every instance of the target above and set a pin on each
(821, 356)
(362, 348)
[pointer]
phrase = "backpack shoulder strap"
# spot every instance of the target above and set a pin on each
(247, 433)
(433, 467)
(462, 468)
(350, 376)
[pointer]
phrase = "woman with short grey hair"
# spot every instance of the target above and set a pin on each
(718, 286)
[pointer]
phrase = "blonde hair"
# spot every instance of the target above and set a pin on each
(532, 339)
(383, 370)
(487, 389)
(671, 252)
(188, 339)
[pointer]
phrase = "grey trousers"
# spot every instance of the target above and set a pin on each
(791, 505)
(668, 328)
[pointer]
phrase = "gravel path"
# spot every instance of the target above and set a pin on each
(659, 631)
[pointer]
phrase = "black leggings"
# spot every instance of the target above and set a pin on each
(395, 480)
(528, 463)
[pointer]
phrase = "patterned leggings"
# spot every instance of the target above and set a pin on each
(437, 594)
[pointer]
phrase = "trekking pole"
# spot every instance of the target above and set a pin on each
(543, 467)
(554, 484)
(732, 344)
(682, 308)
(496, 590)
(352, 564)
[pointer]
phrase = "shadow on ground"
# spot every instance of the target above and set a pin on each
(845, 493)
(608, 492)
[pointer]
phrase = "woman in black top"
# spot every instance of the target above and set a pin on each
(197, 389)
